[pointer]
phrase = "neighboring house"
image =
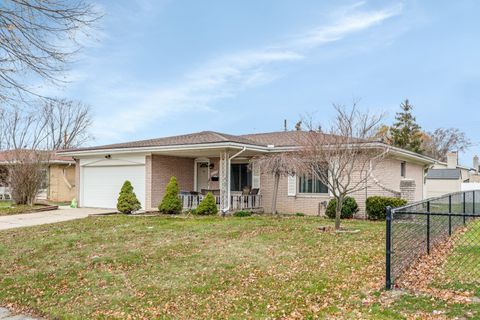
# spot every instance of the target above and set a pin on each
(448, 177)
(59, 184)
(219, 163)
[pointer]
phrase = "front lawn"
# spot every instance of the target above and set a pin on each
(9, 208)
(209, 267)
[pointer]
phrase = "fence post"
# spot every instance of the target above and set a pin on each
(449, 224)
(464, 206)
(428, 232)
(449, 216)
(473, 202)
(388, 279)
(428, 227)
(450, 204)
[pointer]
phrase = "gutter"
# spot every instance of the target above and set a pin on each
(164, 148)
(224, 211)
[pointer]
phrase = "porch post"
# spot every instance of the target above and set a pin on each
(224, 180)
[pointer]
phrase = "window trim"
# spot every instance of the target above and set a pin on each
(300, 193)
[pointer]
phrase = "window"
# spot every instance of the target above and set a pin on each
(310, 184)
(240, 176)
(403, 169)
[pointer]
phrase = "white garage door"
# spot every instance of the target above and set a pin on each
(101, 185)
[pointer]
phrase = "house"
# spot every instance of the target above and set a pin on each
(450, 176)
(59, 184)
(219, 163)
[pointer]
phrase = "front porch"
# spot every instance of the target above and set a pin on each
(237, 202)
(225, 173)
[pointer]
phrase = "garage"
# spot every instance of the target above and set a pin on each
(101, 181)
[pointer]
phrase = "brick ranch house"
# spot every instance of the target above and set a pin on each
(215, 162)
(59, 179)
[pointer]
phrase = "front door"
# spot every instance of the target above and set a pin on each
(202, 176)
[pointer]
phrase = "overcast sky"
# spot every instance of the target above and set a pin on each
(160, 68)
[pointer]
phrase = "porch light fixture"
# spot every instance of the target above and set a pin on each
(211, 166)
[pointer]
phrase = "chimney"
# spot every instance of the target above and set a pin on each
(476, 164)
(452, 159)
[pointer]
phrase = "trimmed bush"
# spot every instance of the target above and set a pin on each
(127, 200)
(208, 206)
(171, 203)
(242, 213)
(376, 206)
(349, 208)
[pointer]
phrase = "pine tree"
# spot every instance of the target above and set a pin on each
(127, 200)
(405, 132)
(208, 205)
(171, 203)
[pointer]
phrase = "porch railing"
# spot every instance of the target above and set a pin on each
(237, 202)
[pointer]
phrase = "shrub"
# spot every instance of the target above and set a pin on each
(242, 213)
(376, 206)
(127, 200)
(171, 203)
(300, 214)
(208, 206)
(349, 208)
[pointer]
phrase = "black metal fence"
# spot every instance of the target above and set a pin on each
(417, 229)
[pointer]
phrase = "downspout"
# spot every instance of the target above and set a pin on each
(224, 211)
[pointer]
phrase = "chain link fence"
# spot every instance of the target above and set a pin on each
(449, 223)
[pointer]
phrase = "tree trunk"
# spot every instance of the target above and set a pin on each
(338, 212)
(275, 193)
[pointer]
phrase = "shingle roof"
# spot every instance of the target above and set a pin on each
(444, 174)
(191, 138)
(278, 139)
(9, 155)
(287, 138)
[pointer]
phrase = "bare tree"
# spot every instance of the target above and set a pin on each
(278, 165)
(30, 137)
(68, 123)
(439, 142)
(24, 134)
(344, 156)
(38, 38)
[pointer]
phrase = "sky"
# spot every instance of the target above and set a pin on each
(164, 67)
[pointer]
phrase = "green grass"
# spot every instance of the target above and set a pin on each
(9, 208)
(462, 268)
(201, 267)
(5, 204)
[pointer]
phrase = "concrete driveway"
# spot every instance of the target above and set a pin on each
(37, 218)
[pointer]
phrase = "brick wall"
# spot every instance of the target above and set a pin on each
(301, 203)
(386, 183)
(159, 170)
(58, 190)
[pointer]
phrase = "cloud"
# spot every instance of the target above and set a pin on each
(346, 23)
(228, 75)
